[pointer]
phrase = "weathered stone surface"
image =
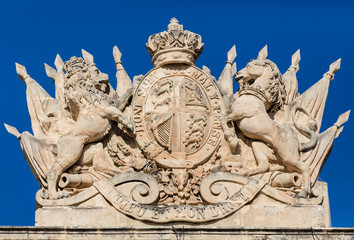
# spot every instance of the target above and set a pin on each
(255, 215)
(176, 232)
(248, 216)
(176, 145)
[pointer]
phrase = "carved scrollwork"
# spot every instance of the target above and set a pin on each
(145, 192)
(212, 191)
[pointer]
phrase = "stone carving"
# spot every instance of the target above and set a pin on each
(175, 144)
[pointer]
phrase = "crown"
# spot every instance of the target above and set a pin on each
(73, 64)
(174, 45)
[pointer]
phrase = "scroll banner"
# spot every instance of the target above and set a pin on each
(185, 213)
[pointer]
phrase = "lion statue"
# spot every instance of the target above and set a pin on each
(87, 100)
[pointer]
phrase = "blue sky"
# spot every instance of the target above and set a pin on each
(33, 32)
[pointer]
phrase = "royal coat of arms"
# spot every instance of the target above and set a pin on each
(178, 145)
(177, 113)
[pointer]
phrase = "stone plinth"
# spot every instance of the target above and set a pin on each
(258, 214)
(176, 232)
(248, 216)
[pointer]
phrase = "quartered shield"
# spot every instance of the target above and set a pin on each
(177, 115)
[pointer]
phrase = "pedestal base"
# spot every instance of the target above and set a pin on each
(261, 212)
(248, 216)
(177, 232)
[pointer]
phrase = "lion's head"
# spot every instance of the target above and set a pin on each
(77, 69)
(263, 77)
(84, 84)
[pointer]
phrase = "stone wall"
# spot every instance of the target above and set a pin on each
(176, 233)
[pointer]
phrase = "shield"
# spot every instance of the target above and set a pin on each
(177, 115)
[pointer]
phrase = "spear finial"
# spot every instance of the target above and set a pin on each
(21, 72)
(59, 64)
(231, 54)
(343, 118)
(87, 56)
(225, 80)
(333, 68)
(51, 72)
(263, 54)
(123, 80)
(117, 55)
(295, 59)
(12, 130)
